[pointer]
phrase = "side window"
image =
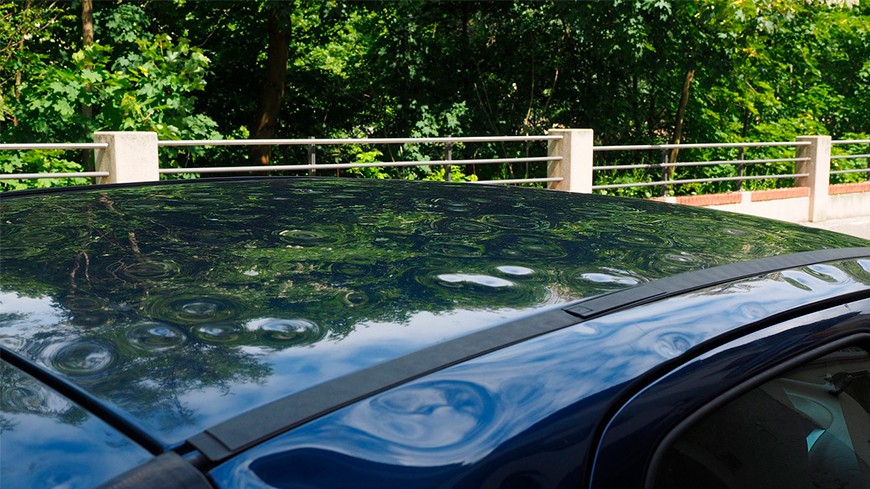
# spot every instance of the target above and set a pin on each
(808, 428)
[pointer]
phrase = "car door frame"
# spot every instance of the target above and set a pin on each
(633, 441)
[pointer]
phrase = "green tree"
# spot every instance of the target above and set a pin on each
(142, 81)
(644, 71)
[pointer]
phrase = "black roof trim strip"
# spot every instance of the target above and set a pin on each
(168, 470)
(237, 434)
(97, 187)
(12, 194)
(709, 277)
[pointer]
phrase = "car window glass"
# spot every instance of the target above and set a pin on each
(809, 428)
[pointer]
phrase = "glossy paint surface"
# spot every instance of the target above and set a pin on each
(179, 306)
(523, 416)
(48, 441)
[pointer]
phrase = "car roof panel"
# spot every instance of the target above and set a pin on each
(179, 306)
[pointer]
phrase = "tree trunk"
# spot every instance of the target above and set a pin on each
(681, 114)
(16, 92)
(636, 116)
(272, 92)
(87, 41)
(87, 23)
(467, 61)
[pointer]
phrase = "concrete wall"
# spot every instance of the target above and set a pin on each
(790, 204)
(849, 200)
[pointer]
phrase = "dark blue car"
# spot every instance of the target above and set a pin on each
(324, 333)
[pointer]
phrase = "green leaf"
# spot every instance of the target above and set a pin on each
(92, 76)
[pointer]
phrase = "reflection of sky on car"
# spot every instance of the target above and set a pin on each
(294, 369)
(544, 375)
(76, 449)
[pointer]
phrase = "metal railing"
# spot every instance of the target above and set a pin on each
(313, 166)
(665, 180)
(664, 165)
(572, 161)
(50, 146)
(67, 146)
(852, 156)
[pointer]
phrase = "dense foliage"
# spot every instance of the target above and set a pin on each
(640, 71)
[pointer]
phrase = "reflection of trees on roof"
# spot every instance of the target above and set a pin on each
(22, 394)
(337, 253)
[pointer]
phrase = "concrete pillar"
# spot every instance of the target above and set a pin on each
(575, 168)
(819, 168)
(130, 157)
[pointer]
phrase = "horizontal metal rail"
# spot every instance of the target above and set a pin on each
(28, 146)
(694, 163)
(848, 157)
(697, 180)
(851, 141)
(344, 166)
(33, 176)
(517, 180)
(360, 141)
(637, 147)
(856, 170)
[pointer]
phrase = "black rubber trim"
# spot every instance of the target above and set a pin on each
(97, 187)
(168, 470)
(83, 399)
(700, 279)
(248, 429)
(203, 180)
